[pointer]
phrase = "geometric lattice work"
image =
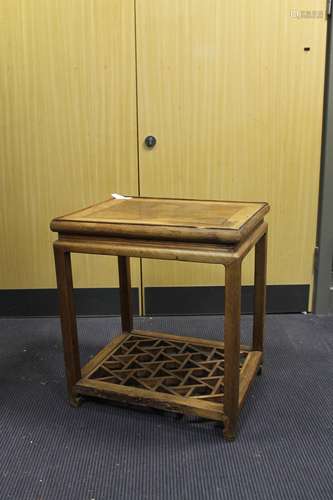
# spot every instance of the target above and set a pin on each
(168, 366)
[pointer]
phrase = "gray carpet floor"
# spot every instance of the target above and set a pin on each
(100, 451)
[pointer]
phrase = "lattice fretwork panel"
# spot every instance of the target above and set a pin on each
(167, 366)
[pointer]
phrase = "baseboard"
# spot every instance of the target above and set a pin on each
(158, 301)
(161, 301)
(44, 302)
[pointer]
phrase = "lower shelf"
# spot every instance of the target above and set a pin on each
(169, 372)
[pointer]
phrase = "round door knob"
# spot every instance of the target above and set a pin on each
(150, 141)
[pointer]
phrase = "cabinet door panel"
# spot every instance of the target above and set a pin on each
(68, 128)
(233, 92)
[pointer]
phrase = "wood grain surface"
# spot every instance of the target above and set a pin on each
(235, 104)
(234, 101)
(160, 218)
(68, 128)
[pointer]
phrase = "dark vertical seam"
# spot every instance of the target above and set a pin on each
(138, 139)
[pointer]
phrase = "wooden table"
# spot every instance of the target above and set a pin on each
(208, 378)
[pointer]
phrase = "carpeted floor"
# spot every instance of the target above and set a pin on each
(49, 450)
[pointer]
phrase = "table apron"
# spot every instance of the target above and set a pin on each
(212, 254)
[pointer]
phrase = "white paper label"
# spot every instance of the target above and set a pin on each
(117, 196)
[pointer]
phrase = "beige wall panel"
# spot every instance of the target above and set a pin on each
(236, 105)
(67, 127)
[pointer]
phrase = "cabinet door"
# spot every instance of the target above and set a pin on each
(233, 93)
(68, 128)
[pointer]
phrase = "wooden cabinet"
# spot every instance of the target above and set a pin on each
(68, 128)
(232, 91)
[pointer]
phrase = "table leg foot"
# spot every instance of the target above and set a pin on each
(75, 401)
(229, 435)
(229, 430)
(259, 371)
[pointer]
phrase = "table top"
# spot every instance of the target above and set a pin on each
(173, 219)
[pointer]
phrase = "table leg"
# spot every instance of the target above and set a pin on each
(125, 293)
(68, 320)
(232, 347)
(259, 293)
